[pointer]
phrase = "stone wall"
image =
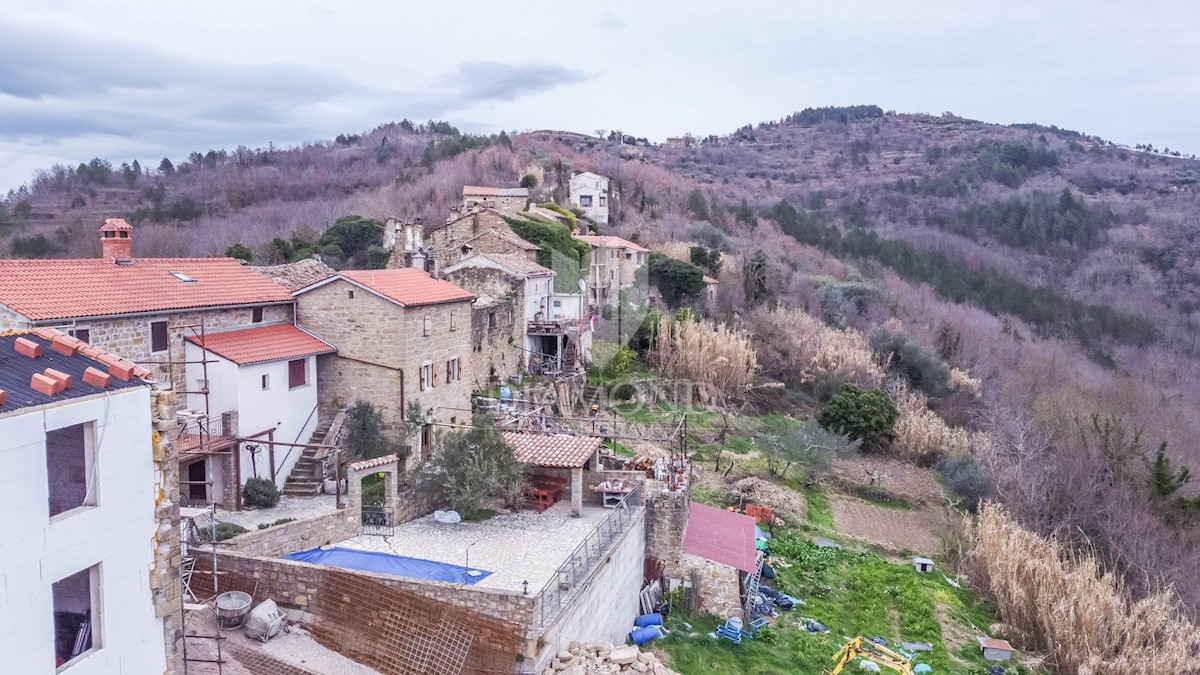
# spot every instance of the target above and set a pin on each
(666, 521)
(299, 535)
(294, 586)
(129, 337)
(448, 239)
(165, 583)
(381, 348)
(720, 586)
(489, 241)
(497, 322)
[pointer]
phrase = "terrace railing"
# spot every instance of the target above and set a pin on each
(557, 592)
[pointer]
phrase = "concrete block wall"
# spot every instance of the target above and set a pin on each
(607, 604)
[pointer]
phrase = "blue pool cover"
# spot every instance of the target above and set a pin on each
(386, 563)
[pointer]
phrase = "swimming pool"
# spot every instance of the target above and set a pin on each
(387, 563)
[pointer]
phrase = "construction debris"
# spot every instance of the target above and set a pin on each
(603, 657)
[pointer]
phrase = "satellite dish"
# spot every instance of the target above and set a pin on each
(582, 285)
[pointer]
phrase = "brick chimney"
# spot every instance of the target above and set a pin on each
(116, 239)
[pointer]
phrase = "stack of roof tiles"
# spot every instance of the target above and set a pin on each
(45, 365)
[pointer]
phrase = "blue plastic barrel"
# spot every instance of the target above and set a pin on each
(648, 620)
(643, 635)
(505, 392)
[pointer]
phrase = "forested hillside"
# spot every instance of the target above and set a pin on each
(1060, 270)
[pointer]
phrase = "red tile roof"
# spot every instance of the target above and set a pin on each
(372, 463)
(609, 242)
(69, 289)
(721, 536)
(263, 343)
(564, 451)
(408, 286)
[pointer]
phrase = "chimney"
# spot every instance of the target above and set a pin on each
(116, 240)
(390, 228)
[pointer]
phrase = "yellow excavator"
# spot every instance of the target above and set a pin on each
(860, 647)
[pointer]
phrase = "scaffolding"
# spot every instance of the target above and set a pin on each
(189, 536)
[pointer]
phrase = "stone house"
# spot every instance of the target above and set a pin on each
(552, 331)
(505, 200)
(476, 230)
(589, 194)
(614, 265)
(148, 310)
(720, 545)
(402, 337)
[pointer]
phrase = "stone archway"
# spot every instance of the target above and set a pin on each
(381, 519)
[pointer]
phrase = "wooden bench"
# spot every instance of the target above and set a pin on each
(545, 491)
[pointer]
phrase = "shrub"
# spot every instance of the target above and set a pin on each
(718, 357)
(807, 447)
(920, 365)
(612, 359)
(799, 350)
(965, 479)
(224, 531)
(364, 432)
(919, 435)
(529, 181)
(472, 464)
(678, 281)
(260, 493)
(239, 251)
(866, 415)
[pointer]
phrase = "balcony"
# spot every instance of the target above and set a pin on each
(199, 436)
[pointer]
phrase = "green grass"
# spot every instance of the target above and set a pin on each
(851, 592)
(820, 509)
(619, 448)
(477, 515)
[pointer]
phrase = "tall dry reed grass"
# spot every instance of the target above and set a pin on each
(718, 356)
(799, 349)
(920, 435)
(1079, 614)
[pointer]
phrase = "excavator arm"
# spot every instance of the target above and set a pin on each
(861, 647)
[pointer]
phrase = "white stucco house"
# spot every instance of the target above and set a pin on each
(267, 375)
(590, 194)
(77, 515)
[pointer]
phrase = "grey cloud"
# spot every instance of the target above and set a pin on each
(506, 82)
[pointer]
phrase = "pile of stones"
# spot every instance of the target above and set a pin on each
(589, 658)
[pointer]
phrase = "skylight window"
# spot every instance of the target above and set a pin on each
(183, 277)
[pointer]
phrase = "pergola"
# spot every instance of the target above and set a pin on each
(556, 451)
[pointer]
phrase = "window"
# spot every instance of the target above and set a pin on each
(557, 305)
(491, 320)
(628, 255)
(158, 336)
(76, 616)
(70, 464)
(427, 325)
(454, 319)
(266, 382)
(297, 373)
(350, 294)
(256, 315)
(183, 277)
(426, 376)
(603, 201)
(82, 334)
(452, 370)
(585, 200)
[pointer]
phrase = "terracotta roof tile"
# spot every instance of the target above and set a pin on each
(68, 289)
(609, 242)
(372, 463)
(408, 286)
(494, 191)
(721, 536)
(565, 451)
(263, 343)
(19, 372)
(297, 275)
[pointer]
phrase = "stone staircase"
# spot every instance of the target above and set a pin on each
(305, 478)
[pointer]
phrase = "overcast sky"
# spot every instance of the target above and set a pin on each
(146, 79)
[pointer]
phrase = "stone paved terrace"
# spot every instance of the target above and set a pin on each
(299, 508)
(514, 547)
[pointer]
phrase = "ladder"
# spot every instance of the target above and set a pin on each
(187, 600)
(752, 586)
